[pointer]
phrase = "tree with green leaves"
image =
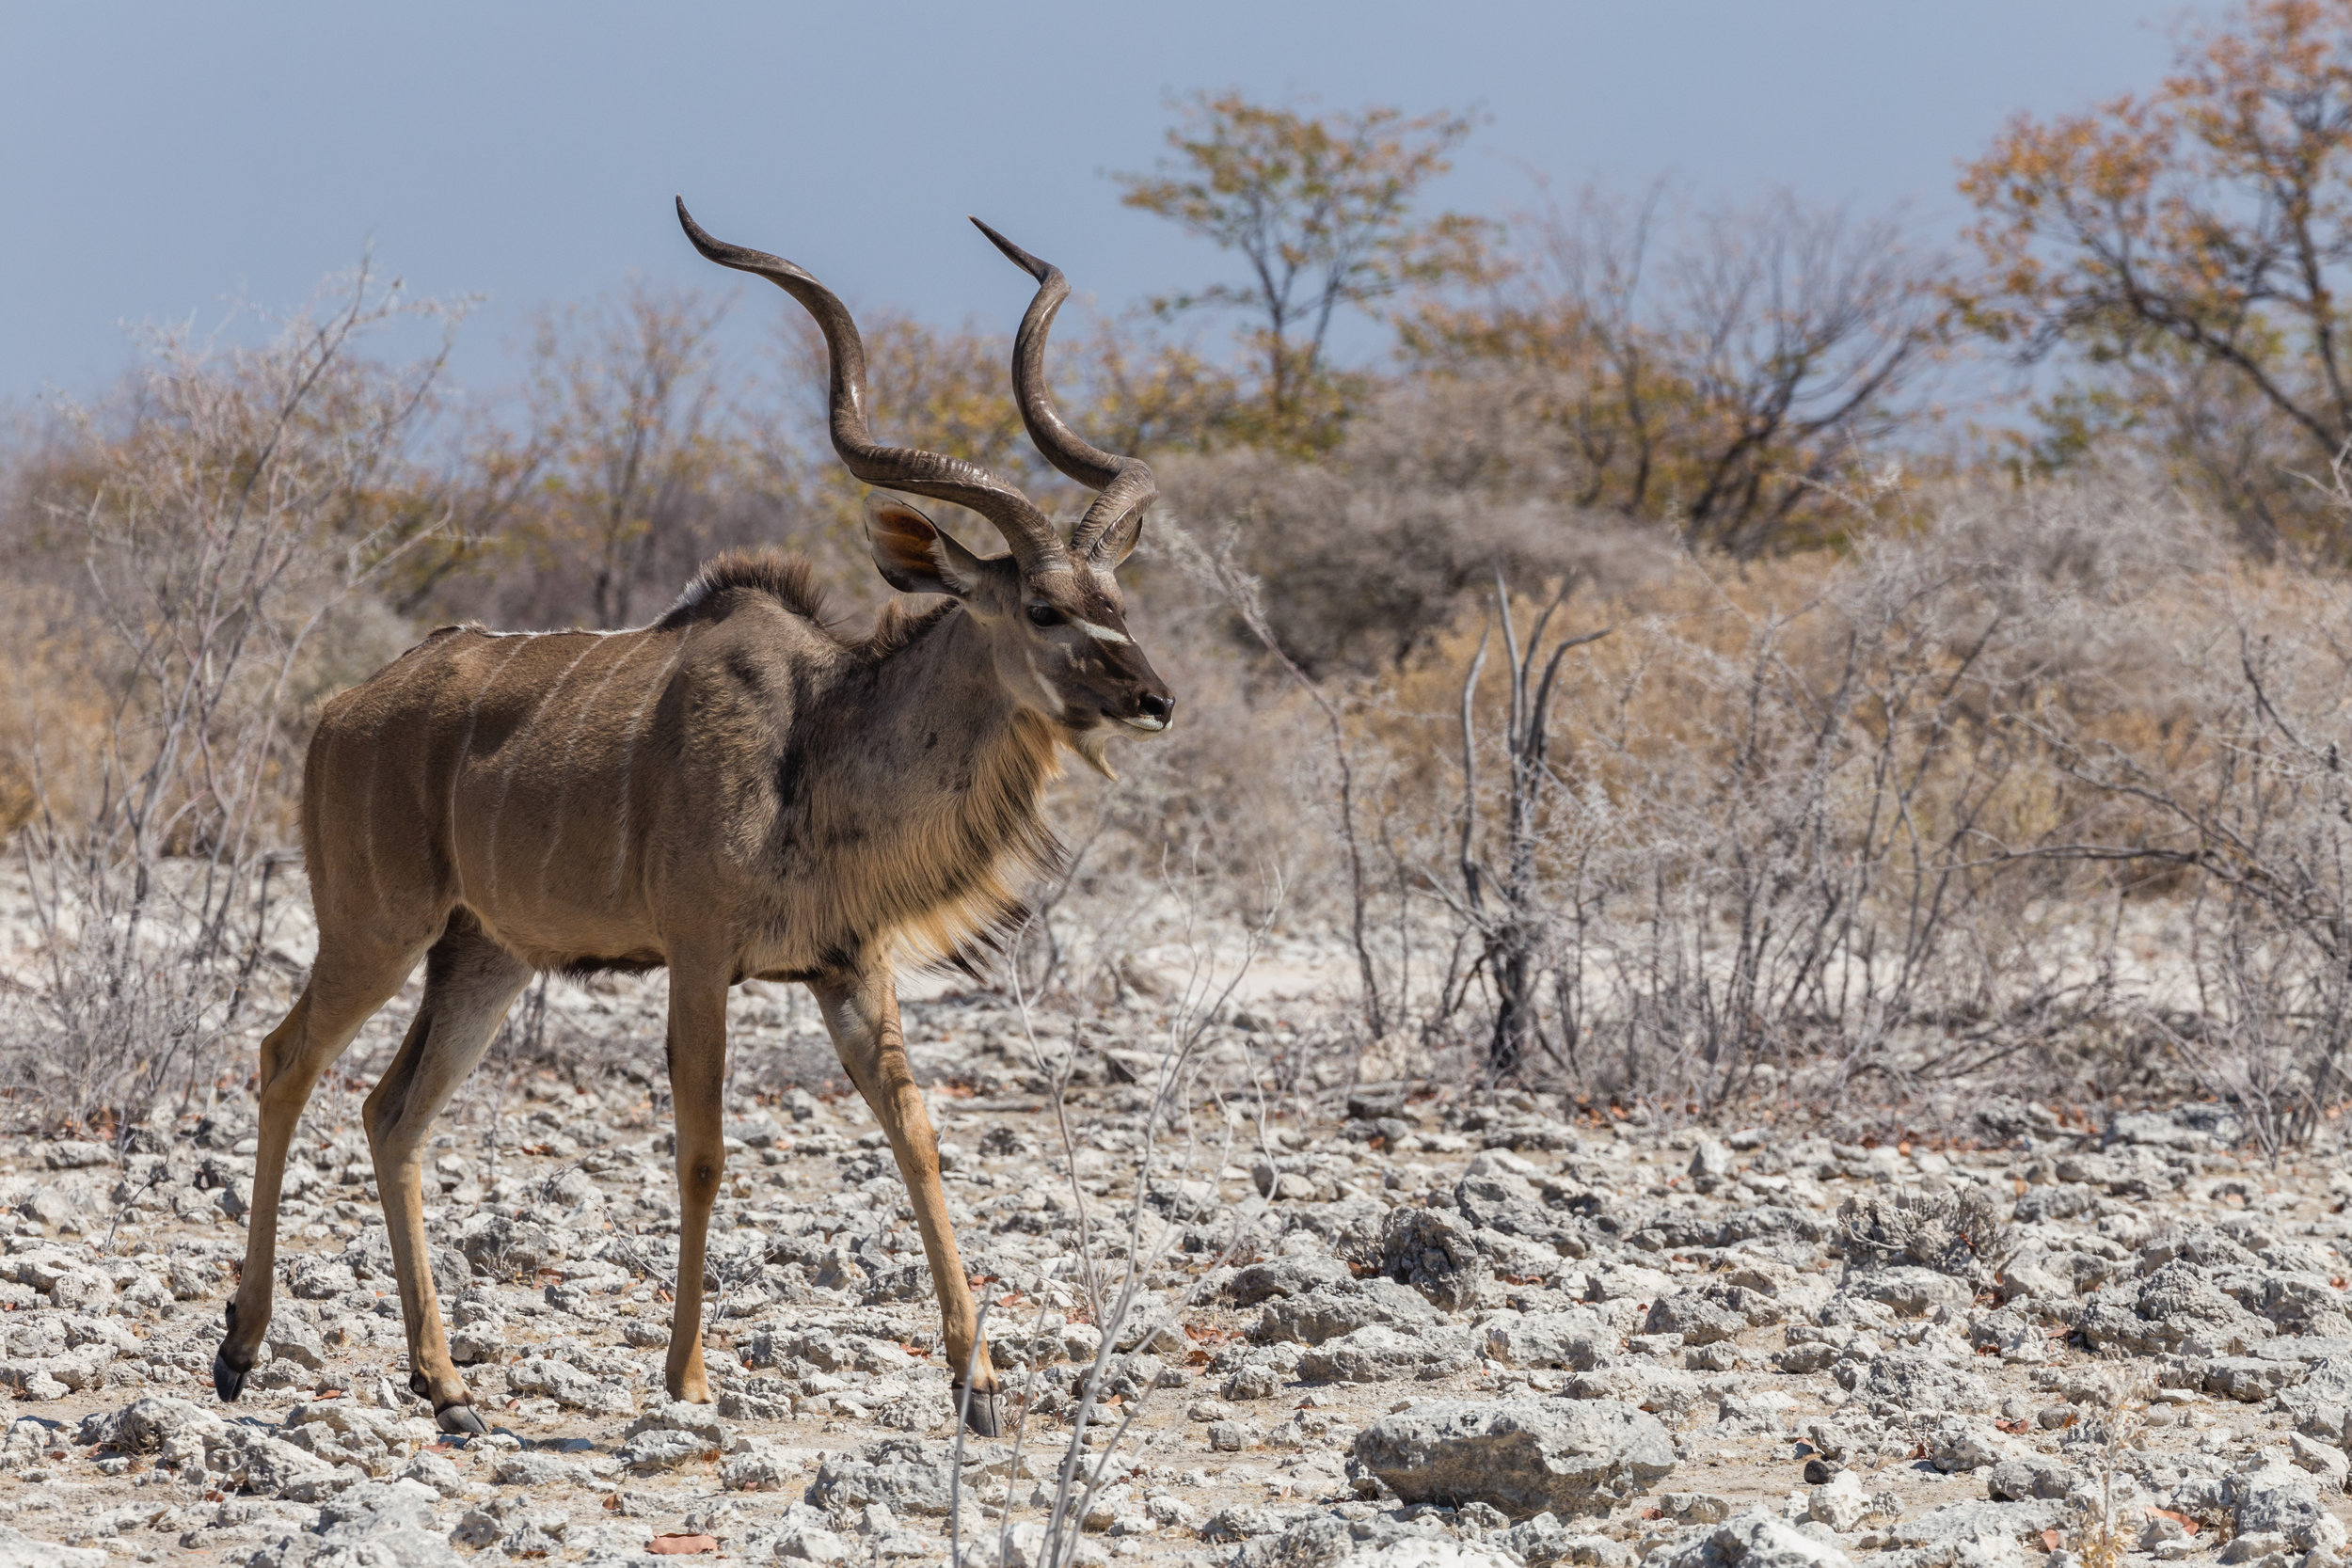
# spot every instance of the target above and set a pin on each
(1321, 209)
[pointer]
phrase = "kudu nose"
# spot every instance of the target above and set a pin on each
(1156, 705)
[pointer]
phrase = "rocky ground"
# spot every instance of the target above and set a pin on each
(1416, 1325)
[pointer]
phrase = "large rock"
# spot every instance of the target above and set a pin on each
(270, 1466)
(569, 1385)
(1756, 1539)
(1566, 1457)
(902, 1474)
(1437, 1252)
(19, 1550)
(149, 1425)
(1377, 1354)
(2322, 1402)
(1984, 1527)
(1710, 1313)
(1284, 1276)
(507, 1248)
(2177, 1301)
(1574, 1339)
(1907, 1381)
(369, 1525)
(1329, 1311)
(2283, 1501)
(1668, 1392)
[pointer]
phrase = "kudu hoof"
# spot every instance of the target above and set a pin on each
(982, 1411)
(228, 1377)
(461, 1418)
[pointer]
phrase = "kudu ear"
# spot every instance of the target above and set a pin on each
(1117, 544)
(913, 555)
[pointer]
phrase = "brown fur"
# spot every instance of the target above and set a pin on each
(789, 579)
(736, 790)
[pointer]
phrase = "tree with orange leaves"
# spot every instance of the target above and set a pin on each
(2189, 243)
(1319, 207)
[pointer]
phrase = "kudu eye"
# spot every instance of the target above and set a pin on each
(1045, 615)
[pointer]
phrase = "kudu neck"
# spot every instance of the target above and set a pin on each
(940, 717)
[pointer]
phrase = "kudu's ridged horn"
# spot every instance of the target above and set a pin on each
(1032, 537)
(1125, 484)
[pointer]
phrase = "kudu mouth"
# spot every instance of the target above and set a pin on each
(1154, 711)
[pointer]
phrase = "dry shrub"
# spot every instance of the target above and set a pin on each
(216, 522)
(1365, 554)
(1960, 1231)
(1840, 820)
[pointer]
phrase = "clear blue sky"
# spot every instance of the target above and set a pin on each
(157, 160)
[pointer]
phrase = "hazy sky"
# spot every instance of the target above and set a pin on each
(159, 160)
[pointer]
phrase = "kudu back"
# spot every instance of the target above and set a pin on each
(735, 791)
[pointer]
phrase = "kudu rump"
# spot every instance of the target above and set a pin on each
(735, 791)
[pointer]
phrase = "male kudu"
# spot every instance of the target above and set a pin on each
(735, 791)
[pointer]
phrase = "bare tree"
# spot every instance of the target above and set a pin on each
(1801, 328)
(1711, 366)
(631, 422)
(1507, 908)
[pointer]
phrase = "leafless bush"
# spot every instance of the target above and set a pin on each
(1185, 1128)
(1959, 1233)
(1367, 553)
(1809, 824)
(2256, 809)
(220, 523)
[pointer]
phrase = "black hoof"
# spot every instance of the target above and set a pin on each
(460, 1418)
(981, 1412)
(228, 1377)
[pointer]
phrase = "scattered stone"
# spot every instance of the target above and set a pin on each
(1756, 1539)
(1523, 1456)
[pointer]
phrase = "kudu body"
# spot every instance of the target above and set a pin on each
(734, 792)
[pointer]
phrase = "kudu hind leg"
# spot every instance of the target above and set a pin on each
(469, 983)
(862, 1014)
(344, 988)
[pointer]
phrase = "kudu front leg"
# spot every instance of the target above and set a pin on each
(698, 1075)
(861, 1013)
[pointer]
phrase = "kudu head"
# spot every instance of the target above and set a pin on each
(1050, 613)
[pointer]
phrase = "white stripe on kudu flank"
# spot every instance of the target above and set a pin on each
(506, 766)
(586, 706)
(1104, 634)
(457, 768)
(367, 823)
(628, 763)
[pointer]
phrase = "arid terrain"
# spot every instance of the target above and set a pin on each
(1426, 1324)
